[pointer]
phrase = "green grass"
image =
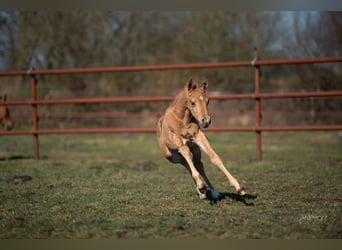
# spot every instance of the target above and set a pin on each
(119, 186)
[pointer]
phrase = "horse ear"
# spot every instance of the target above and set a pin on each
(190, 85)
(205, 84)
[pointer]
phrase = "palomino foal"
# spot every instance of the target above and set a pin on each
(181, 138)
(5, 117)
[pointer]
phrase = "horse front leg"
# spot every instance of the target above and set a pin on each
(200, 186)
(202, 141)
(197, 155)
(202, 194)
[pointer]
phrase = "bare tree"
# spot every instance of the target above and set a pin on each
(318, 35)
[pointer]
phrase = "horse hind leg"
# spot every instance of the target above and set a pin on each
(165, 150)
(171, 155)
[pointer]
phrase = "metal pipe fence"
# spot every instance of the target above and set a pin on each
(34, 102)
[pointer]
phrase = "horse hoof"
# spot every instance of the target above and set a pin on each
(242, 191)
(202, 196)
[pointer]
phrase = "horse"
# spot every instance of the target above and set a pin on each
(5, 117)
(181, 138)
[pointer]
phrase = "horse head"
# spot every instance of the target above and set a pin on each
(5, 117)
(198, 101)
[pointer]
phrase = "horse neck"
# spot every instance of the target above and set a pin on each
(180, 105)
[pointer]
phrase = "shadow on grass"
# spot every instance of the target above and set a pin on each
(15, 157)
(19, 157)
(233, 196)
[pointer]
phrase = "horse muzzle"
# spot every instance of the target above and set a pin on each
(206, 122)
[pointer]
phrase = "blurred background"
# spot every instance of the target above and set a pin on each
(56, 40)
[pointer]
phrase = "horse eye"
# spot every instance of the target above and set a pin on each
(193, 103)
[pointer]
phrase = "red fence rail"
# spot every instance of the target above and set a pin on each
(257, 96)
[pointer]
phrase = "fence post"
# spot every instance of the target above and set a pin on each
(257, 74)
(35, 118)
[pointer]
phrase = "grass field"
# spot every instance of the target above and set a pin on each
(119, 186)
